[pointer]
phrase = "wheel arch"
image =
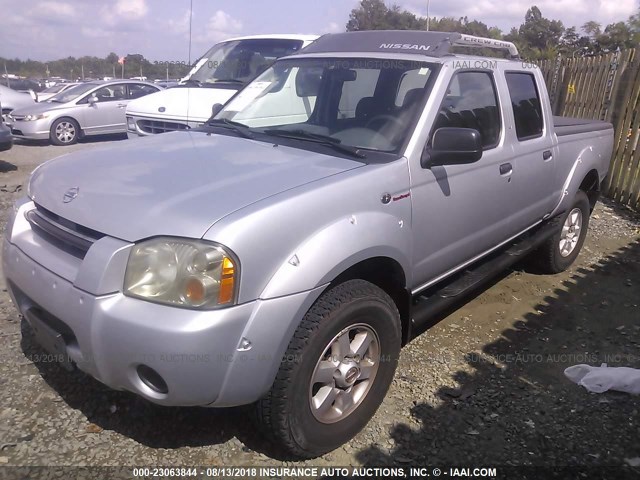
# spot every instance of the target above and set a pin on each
(591, 186)
(387, 274)
(68, 117)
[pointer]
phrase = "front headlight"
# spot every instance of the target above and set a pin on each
(182, 273)
(33, 117)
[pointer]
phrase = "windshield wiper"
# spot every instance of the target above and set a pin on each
(317, 138)
(237, 127)
(192, 81)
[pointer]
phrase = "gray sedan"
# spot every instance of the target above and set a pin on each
(93, 108)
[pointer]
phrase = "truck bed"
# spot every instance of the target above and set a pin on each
(571, 126)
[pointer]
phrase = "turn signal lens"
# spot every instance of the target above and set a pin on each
(227, 282)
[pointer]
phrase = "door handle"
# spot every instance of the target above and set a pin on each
(121, 105)
(506, 169)
(547, 155)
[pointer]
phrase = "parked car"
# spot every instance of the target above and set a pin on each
(283, 253)
(217, 76)
(166, 83)
(6, 140)
(91, 108)
(11, 99)
(23, 84)
(47, 93)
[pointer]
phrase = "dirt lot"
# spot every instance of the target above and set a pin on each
(483, 386)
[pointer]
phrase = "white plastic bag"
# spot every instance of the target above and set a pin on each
(603, 378)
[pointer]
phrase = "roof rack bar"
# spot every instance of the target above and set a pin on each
(472, 41)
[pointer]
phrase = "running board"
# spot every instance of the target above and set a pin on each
(435, 300)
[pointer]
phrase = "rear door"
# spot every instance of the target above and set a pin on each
(533, 148)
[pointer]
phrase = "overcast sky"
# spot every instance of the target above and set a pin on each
(158, 29)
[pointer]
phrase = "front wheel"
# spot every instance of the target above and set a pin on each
(64, 131)
(562, 249)
(336, 372)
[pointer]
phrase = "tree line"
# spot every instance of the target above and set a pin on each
(72, 68)
(536, 38)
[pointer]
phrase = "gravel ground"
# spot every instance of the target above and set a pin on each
(485, 385)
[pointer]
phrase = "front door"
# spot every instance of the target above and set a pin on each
(461, 211)
(107, 114)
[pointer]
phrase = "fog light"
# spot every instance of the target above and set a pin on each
(152, 379)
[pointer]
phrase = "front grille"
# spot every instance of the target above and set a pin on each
(157, 126)
(68, 236)
(17, 118)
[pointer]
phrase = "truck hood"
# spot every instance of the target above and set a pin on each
(176, 184)
(180, 103)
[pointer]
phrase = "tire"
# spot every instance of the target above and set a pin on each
(64, 131)
(293, 413)
(561, 250)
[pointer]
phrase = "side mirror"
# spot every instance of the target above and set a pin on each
(92, 99)
(216, 109)
(452, 146)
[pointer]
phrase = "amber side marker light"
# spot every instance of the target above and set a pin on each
(227, 282)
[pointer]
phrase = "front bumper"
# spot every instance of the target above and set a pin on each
(35, 130)
(201, 356)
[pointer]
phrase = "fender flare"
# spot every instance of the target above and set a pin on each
(580, 168)
(338, 246)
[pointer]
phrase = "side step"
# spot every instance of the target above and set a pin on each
(435, 300)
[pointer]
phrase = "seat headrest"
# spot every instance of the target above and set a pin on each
(366, 107)
(412, 97)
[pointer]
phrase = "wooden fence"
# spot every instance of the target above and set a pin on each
(606, 87)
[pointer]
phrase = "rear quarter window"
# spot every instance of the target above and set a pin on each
(525, 101)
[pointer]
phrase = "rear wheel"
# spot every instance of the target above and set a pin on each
(64, 131)
(561, 250)
(336, 372)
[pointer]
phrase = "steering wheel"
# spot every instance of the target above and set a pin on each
(385, 117)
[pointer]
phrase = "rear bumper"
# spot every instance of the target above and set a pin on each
(201, 356)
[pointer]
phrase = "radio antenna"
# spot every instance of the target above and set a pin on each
(190, 22)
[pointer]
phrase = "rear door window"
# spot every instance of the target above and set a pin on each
(525, 101)
(137, 90)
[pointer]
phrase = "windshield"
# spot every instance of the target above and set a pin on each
(240, 61)
(72, 93)
(363, 103)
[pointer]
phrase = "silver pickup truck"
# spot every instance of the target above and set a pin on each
(282, 254)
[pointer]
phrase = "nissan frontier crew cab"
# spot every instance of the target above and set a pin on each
(282, 254)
